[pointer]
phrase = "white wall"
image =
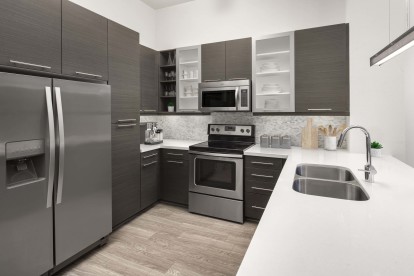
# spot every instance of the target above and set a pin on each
(204, 21)
(133, 14)
(376, 92)
(409, 104)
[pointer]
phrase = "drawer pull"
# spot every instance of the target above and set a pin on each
(175, 154)
(148, 156)
(150, 110)
(30, 64)
(262, 189)
(261, 175)
(319, 109)
(88, 75)
(149, 164)
(126, 125)
(256, 207)
(262, 163)
(176, 162)
(126, 121)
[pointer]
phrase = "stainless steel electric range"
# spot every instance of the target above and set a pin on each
(216, 171)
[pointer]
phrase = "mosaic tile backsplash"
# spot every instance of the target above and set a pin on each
(195, 127)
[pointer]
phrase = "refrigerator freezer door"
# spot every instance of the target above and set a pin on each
(83, 208)
(26, 218)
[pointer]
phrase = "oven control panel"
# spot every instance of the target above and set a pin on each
(232, 130)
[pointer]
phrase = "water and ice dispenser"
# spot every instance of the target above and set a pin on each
(25, 162)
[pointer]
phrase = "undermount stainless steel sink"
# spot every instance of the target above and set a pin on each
(325, 172)
(328, 181)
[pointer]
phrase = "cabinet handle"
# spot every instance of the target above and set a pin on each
(151, 110)
(148, 156)
(175, 154)
(149, 164)
(89, 75)
(126, 121)
(176, 162)
(319, 109)
(262, 189)
(233, 79)
(256, 207)
(127, 125)
(30, 64)
(261, 175)
(212, 80)
(262, 163)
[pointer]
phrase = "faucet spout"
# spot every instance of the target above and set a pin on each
(369, 168)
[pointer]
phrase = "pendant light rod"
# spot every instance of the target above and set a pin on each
(397, 46)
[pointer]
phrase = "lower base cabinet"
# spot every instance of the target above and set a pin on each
(174, 176)
(261, 175)
(150, 178)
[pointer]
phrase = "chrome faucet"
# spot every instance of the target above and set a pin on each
(369, 169)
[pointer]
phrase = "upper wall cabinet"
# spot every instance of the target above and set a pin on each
(322, 69)
(30, 34)
(238, 59)
(273, 77)
(124, 72)
(149, 79)
(84, 42)
(189, 76)
(227, 60)
(213, 61)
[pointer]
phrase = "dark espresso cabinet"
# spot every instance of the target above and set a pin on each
(227, 60)
(260, 177)
(124, 72)
(213, 61)
(149, 79)
(174, 176)
(239, 59)
(125, 173)
(322, 69)
(124, 78)
(150, 178)
(84, 42)
(30, 34)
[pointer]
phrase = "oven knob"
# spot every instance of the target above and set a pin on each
(248, 130)
(242, 130)
(217, 129)
(212, 129)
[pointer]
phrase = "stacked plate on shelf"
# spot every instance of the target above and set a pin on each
(271, 88)
(269, 67)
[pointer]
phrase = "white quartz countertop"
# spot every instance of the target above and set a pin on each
(309, 235)
(170, 144)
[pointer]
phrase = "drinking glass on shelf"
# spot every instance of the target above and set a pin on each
(166, 75)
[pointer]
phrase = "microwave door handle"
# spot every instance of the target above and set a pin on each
(237, 99)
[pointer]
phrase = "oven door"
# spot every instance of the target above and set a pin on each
(218, 99)
(216, 174)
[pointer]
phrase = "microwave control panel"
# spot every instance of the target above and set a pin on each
(231, 130)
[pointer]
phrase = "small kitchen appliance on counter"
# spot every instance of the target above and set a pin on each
(153, 134)
(216, 172)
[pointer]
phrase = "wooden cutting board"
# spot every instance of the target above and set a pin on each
(310, 136)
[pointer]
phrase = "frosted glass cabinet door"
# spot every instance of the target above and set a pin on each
(273, 73)
(188, 77)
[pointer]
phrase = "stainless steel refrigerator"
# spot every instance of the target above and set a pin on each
(55, 170)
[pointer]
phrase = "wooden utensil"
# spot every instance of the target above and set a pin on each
(310, 135)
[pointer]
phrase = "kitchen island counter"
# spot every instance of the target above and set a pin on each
(301, 234)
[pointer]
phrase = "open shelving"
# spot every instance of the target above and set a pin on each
(167, 79)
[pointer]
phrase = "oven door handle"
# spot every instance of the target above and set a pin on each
(240, 156)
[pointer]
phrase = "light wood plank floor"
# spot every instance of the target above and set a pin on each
(168, 240)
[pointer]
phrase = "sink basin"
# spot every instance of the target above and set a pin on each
(325, 172)
(329, 188)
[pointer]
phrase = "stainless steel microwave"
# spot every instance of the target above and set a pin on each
(232, 95)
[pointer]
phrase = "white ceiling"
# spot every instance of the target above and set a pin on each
(160, 4)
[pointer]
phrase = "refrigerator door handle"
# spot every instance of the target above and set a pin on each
(52, 143)
(61, 144)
